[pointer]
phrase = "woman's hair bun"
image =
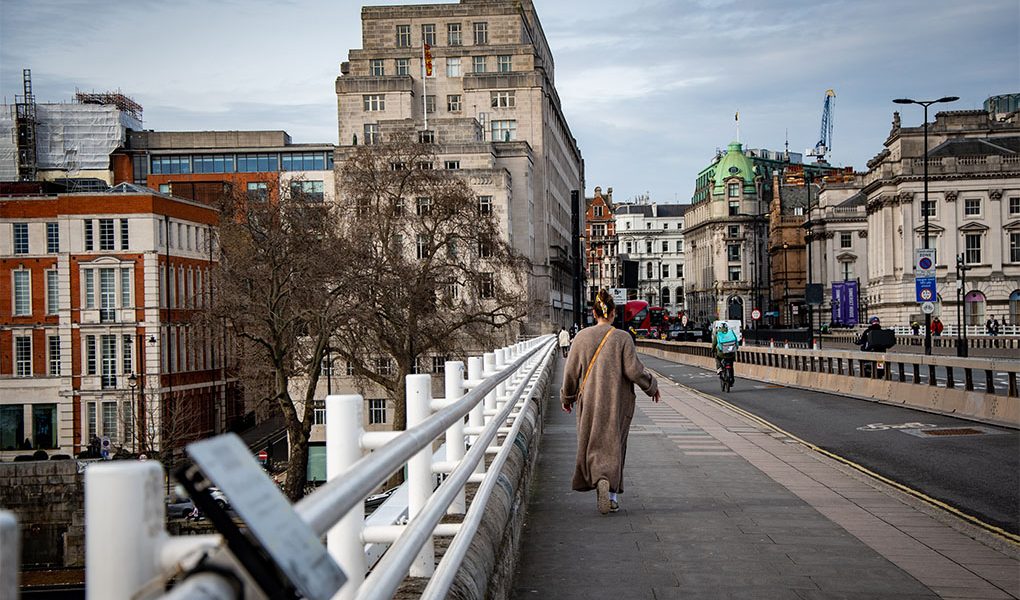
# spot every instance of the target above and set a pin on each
(604, 304)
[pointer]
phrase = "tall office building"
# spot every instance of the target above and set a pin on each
(477, 80)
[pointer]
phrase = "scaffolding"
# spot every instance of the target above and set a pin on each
(25, 127)
(110, 98)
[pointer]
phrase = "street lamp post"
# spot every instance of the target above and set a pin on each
(924, 203)
(786, 283)
(132, 384)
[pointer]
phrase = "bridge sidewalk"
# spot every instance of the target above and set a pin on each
(720, 506)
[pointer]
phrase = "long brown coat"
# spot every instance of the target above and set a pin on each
(606, 405)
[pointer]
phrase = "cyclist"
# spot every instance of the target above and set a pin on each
(724, 343)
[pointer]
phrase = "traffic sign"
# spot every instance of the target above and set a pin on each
(263, 456)
(925, 288)
(683, 320)
(927, 307)
(924, 263)
(756, 314)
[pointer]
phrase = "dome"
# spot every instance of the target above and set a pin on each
(734, 163)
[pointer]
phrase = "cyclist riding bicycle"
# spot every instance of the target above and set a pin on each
(724, 343)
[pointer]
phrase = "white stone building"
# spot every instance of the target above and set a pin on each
(652, 235)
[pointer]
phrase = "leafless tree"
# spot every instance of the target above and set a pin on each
(435, 273)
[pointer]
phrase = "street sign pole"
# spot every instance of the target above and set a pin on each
(924, 274)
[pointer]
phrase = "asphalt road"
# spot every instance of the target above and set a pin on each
(978, 474)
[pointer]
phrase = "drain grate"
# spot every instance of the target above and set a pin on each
(956, 431)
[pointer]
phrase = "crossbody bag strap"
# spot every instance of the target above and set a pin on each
(587, 371)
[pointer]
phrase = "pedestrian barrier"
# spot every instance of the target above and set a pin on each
(130, 555)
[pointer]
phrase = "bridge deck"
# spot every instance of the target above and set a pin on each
(719, 506)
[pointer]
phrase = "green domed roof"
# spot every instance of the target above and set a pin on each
(734, 163)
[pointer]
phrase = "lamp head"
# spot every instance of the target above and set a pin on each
(948, 99)
(132, 380)
(904, 101)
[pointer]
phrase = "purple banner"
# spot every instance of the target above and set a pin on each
(852, 315)
(844, 303)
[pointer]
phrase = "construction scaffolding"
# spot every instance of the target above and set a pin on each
(25, 129)
(110, 98)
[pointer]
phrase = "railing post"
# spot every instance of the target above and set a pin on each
(10, 555)
(489, 364)
(455, 434)
(344, 427)
(124, 527)
(501, 386)
(476, 417)
(419, 469)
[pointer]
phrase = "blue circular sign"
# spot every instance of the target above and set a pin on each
(924, 263)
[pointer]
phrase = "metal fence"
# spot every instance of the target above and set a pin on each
(130, 555)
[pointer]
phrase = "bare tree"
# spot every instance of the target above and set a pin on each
(280, 292)
(435, 273)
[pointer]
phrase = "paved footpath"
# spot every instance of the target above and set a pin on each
(719, 506)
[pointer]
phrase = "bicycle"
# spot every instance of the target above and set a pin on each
(726, 372)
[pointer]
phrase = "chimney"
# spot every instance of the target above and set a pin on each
(609, 191)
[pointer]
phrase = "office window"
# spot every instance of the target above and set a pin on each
(53, 344)
(108, 360)
(931, 208)
(376, 411)
(478, 64)
(972, 207)
(454, 34)
(374, 102)
(304, 161)
(127, 353)
(371, 134)
(453, 67)
(403, 36)
(430, 103)
(487, 286)
(972, 244)
(125, 287)
(481, 33)
(423, 206)
(309, 191)
(52, 238)
(402, 66)
(106, 234)
(503, 131)
(733, 252)
(107, 295)
(89, 276)
(52, 292)
(22, 292)
(88, 234)
(12, 426)
(257, 163)
(22, 356)
(451, 165)
(485, 205)
(428, 34)
(110, 420)
(846, 239)
(1014, 205)
(665, 272)
(453, 103)
(213, 163)
(167, 165)
(125, 240)
(504, 63)
(93, 431)
(734, 273)
(1014, 247)
(375, 67)
(20, 238)
(665, 246)
(258, 191)
(503, 99)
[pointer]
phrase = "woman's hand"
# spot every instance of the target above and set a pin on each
(566, 407)
(656, 396)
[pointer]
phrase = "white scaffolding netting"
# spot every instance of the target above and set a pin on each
(8, 144)
(76, 137)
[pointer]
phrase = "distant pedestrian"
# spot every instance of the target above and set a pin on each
(915, 327)
(996, 326)
(937, 326)
(564, 339)
(988, 327)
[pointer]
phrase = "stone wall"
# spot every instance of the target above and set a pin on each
(48, 498)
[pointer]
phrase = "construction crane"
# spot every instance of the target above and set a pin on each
(824, 145)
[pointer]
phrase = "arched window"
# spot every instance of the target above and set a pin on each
(665, 296)
(1014, 308)
(974, 305)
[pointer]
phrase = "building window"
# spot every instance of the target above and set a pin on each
(428, 34)
(451, 165)
(504, 131)
(52, 238)
(597, 210)
(52, 292)
(376, 411)
(127, 352)
(374, 102)
(108, 358)
(12, 426)
(22, 292)
(22, 356)
(106, 234)
(481, 34)
(485, 205)
(305, 161)
(257, 163)
(972, 207)
(733, 190)
(453, 103)
(92, 423)
(125, 240)
(972, 243)
(931, 208)
(258, 191)
(90, 288)
(487, 286)
(734, 208)
(503, 99)
(453, 67)
(454, 35)
(679, 245)
(309, 191)
(20, 238)
(171, 165)
(648, 246)
(734, 273)
(110, 420)
(402, 67)
(598, 230)
(733, 252)
(53, 343)
(478, 63)
(430, 103)
(423, 206)
(665, 245)
(484, 250)
(213, 163)
(733, 231)
(648, 271)
(628, 247)
(504, 63)
(846, 239)
(375, 67)
(1014, 205)
(422, 247)
(371, 133)
(88, 234)
(403, 36)
(1014, 247)
(665, 273)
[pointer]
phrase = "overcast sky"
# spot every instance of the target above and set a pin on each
(649, 87)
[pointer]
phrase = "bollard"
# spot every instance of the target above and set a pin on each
(419, 469)
(455, 434)
(344, 427)
(124, 528)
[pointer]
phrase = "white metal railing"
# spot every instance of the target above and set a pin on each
(130, 555)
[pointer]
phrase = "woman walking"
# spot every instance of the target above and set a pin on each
(599, 378)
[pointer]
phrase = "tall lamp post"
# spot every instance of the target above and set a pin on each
(132, 384)
(924, 203)
(786, 283)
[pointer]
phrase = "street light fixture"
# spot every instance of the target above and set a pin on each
(924, 203)
(786, 283)
(132, 384)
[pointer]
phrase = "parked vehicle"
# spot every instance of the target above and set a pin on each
(179, 508)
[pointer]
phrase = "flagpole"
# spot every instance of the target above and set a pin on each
(424, 104)
(736, 117)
